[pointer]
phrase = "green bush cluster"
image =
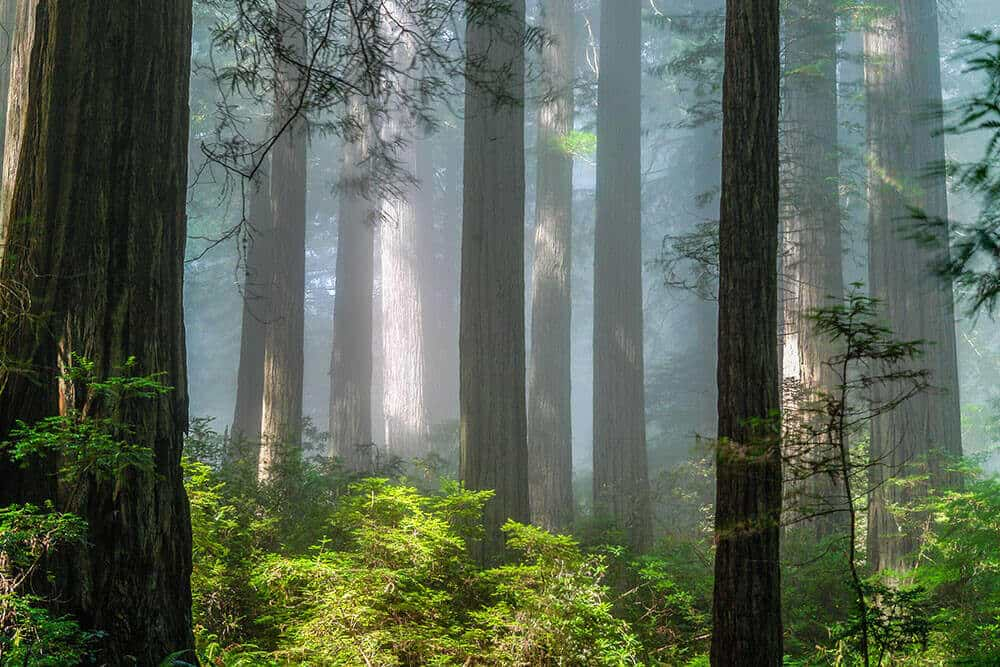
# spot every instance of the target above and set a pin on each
(391, 583)
(324, 568)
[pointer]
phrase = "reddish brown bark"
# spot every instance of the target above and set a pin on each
(94, 224)
(746, 606)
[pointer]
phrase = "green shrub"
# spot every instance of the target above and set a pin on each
(549, 607)
(960, 568)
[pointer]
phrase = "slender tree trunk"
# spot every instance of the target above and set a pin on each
(406, 429)
(351, 366)
(281, 424)
(442, 257)
(378, 356)
(93, 199)
(258, 276)
(903, 87)
(746, 608)
(494, 448)
(621, 484)
(813, 273)
(550, 441)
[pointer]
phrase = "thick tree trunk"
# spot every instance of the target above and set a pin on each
(93, 199)
(903, 87)
(621, 484)
(258, 276)
(550, 441)
(406, 430)
(746, 607)
(281, 423)
(494, 448)
(351, 366)
(812, 265)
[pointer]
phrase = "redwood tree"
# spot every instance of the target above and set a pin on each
(281, 423)
(621, 484)
(812, 257)
(351, 364)
(550, 442)
(404, 220)
(903, 90)
(746, 606)
(94, 225)
(258, 274)
(494, 449)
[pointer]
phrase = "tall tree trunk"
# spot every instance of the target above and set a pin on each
(550, 441)
(494, 448)
(378, 356)
(406, 430)
(351, 366)
(281, 424)
(812, 264)
(746, 607)
(621, 484)
(903, 87)
(94, 220)
(258, 276)
(442, 257)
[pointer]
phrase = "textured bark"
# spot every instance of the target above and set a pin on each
(812, 264)
(621, 484)
(281, 423)
(550, 441)
(494, 448)
(406, 430)
(258, 275)
(903, 88)
(746, 607)
(93, 199)
(351, 366)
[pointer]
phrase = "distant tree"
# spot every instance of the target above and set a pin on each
(550, 443)
(94, 229)
(403, 219)
(439, 171)
(746, 606)
(281, 423)
(905, 143)
(621, 482)
(812, 248)
(258, 276)
(494, 449)
(351, 363)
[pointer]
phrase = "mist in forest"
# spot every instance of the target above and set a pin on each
(501, 332)
(680, 182)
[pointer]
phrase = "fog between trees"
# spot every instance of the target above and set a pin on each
(675, 279)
